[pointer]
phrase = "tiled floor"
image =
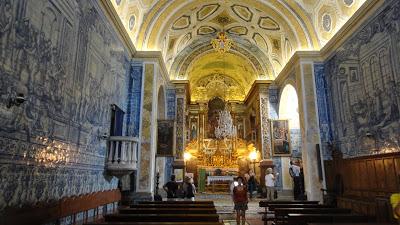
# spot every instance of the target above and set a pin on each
(224, 205)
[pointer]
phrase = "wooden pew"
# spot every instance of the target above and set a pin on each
(176, 202)
(349, 223)
(154, 223)
(162, 218)
(267, 203)
(273, 206)
(271, 209)
(281, 214)
(169, 210)
(303, 219)
(169, 206)
(285, 211)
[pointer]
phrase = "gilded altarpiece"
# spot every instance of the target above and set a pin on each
(208, 151)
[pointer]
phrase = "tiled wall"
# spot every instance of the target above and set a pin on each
(66, 59)
(363, 86)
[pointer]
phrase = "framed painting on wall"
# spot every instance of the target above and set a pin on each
(165, 138)
(280, 138)
(178, 175)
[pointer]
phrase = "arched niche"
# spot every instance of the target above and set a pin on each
(289, 110)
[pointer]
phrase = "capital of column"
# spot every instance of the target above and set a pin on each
(258, 87)
(182, 88)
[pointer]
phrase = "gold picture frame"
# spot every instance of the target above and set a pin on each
(280, 138)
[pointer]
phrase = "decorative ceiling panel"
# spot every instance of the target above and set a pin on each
(181, 23)
(238, 30)
(204, 30)
(206, 11)
(243, 12)
(268, 23)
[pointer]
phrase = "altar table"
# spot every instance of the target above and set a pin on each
(219, 178)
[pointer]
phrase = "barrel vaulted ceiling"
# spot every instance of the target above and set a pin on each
(265, 34)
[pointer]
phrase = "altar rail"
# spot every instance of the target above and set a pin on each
(122, 155)
(368, 182)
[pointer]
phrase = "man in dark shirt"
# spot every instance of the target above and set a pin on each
(170, 187)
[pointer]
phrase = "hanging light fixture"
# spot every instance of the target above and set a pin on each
(226, 128)
(222, 43)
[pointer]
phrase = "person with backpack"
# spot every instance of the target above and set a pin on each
(189, 188)
(240, 200)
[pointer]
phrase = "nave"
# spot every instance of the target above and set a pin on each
(110, 104)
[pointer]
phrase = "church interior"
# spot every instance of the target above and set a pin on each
(103, 102)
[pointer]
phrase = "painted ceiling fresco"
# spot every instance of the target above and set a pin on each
(265, 34)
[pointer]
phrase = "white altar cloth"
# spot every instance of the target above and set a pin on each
(219, 178)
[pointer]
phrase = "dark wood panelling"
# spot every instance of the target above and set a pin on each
(47, 212)
(368, 182)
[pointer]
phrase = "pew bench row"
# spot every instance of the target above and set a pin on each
(304, 212)
(164, 213)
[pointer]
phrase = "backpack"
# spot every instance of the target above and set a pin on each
(190, 192)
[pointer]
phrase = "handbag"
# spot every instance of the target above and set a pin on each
(275, 194)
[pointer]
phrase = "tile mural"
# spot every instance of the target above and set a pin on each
(68, 62)
(363, 86)
(323, 110)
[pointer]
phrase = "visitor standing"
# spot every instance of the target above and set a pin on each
(171, 187)
(294, 172)
(240, 199)
(189, 188)
(270, 184)
(252, 183)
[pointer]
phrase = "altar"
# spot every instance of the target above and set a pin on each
(211, 179)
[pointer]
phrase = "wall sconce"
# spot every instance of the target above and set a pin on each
(373, 137)
(17, 101)
(103, 136)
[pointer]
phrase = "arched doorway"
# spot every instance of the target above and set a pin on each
(289, 110)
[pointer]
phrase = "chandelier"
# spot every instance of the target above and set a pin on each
(225, 128)
(222, 43)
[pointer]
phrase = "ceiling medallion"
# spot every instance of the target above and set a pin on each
(222, 43)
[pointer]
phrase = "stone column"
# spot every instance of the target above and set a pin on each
(309, 128)
(148, 133)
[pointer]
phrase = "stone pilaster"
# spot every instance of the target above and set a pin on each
(171, 115)
(309, 129)
(134, 104)
(263, 95)
(182, 91)
(148, 133)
